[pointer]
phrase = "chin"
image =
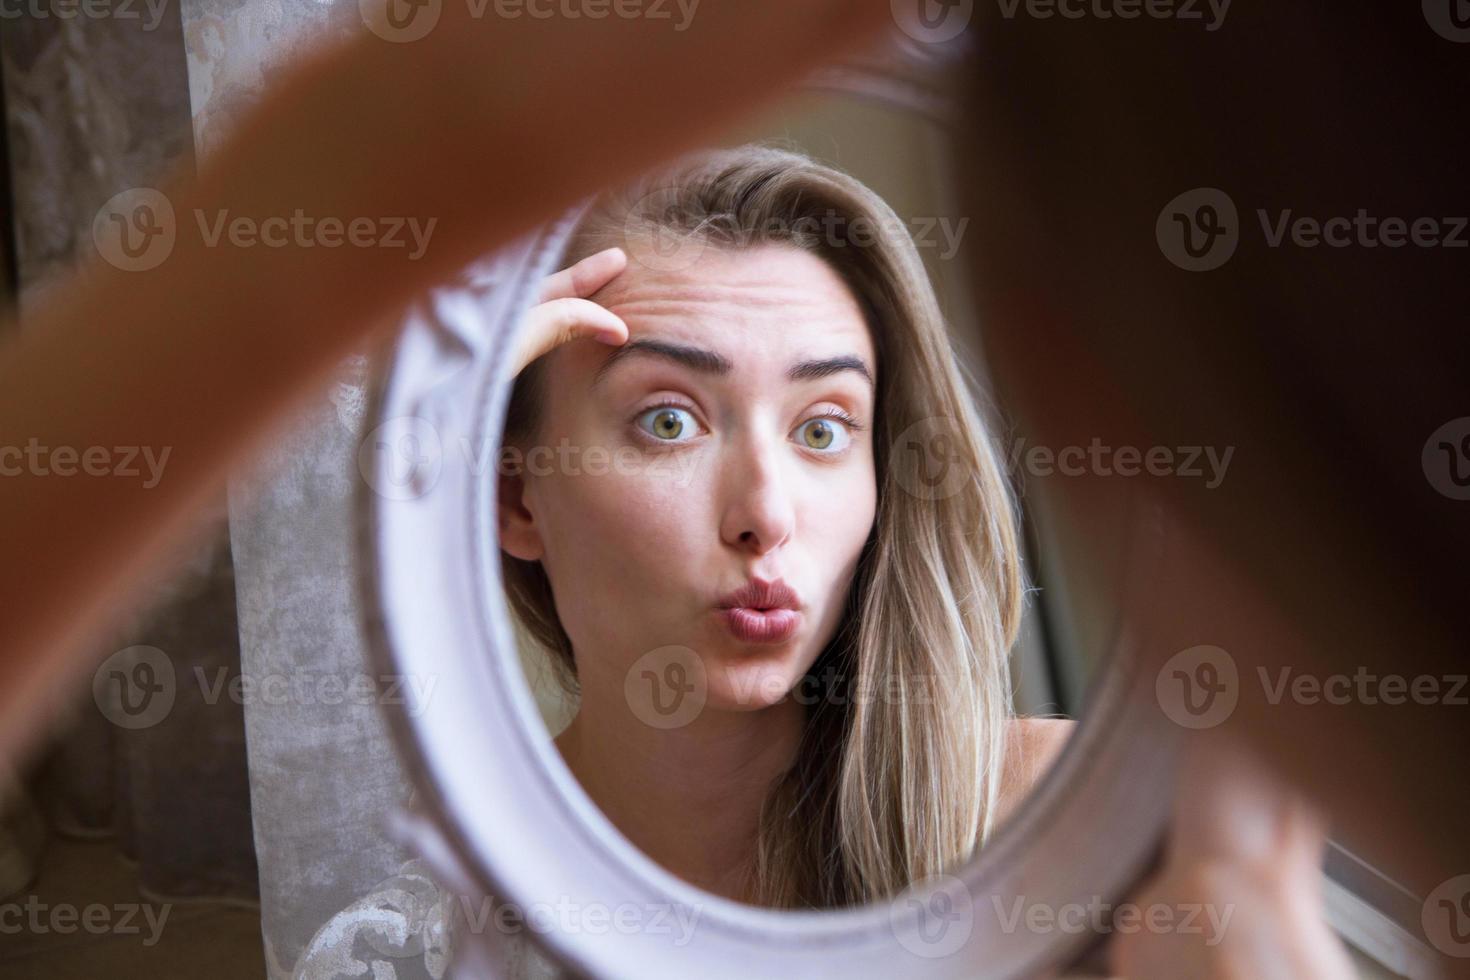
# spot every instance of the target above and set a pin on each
(753, 678)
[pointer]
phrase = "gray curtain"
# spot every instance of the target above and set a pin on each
(323, 774)
(338, 896)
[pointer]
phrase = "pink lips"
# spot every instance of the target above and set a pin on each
(760, 625)
(761, 611)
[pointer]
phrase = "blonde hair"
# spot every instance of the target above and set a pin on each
(899, 769)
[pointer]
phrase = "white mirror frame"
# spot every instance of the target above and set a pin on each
(501, 812)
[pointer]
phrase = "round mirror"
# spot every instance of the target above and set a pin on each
(733, 626)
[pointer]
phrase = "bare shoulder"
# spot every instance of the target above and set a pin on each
(1038, 741)
(1032, 747)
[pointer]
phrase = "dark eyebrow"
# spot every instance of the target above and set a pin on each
(695, 358)
(711, 362)
(808, 370)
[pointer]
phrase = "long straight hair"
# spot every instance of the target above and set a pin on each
(898, 771)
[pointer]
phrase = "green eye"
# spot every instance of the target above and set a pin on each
(818, 434)
(667, 422)
(823, 433)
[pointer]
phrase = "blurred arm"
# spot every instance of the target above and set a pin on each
(485, 127)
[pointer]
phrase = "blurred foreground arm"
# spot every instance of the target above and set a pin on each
(484, 127)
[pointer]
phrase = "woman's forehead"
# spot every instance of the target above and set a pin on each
(775, 297)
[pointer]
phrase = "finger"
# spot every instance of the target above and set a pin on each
(554, 323)
(567, 319)
(1233, 806)
(585, 277)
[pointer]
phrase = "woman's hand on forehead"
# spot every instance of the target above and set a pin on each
(565, 313)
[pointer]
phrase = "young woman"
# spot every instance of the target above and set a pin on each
(809, 511)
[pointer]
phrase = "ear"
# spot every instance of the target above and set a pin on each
(519, 536)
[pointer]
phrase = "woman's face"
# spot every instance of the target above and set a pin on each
(710, 450)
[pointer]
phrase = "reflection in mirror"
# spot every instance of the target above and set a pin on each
(764, 557)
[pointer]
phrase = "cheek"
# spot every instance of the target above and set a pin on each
(836, 526)
(840, 508)
(618, 529)
(646, 514)
(865, 509)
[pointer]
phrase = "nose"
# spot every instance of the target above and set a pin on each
(759, 514)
